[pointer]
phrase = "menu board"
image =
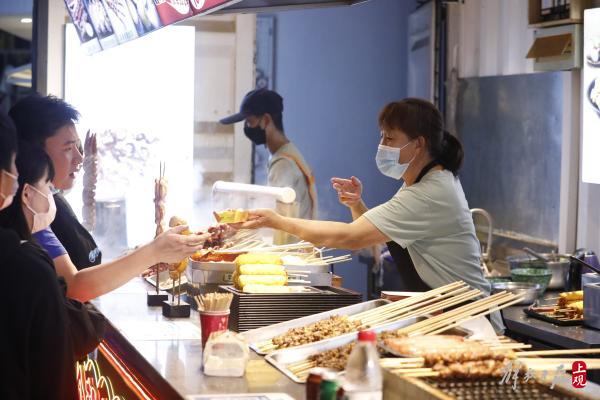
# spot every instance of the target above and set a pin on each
(83, 25)
(120, 17)
(171, 11)
(101, 23)
(590, 150)
(144, 15)
(208, 6)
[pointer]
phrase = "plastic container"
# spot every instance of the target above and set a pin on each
(364, 380)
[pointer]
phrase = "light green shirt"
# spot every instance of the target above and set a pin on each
(432, 220)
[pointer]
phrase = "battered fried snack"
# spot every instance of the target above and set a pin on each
(258, 258)
(261, 269)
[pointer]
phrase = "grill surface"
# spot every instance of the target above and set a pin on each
(493, 389)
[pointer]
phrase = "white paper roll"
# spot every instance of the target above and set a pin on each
(282, 194)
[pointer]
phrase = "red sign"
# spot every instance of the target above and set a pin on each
(171, 11)
(207, 6)
(579, 374)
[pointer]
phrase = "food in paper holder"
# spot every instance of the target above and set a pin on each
(231, 216)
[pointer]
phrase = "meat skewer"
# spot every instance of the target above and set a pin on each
(90, 178)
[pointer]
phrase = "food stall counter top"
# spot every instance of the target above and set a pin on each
(165, 355)
(568, 337)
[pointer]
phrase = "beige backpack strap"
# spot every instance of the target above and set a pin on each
(310, 179)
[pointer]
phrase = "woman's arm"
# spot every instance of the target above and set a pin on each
(356, 235)
(92, 282)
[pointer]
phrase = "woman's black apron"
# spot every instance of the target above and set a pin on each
(411, 281)
(78, 242)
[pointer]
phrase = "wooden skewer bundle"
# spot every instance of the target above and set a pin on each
(214, 301)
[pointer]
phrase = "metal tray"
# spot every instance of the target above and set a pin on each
(256, 336)
(280, 359)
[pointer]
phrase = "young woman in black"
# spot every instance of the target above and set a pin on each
(36, 357)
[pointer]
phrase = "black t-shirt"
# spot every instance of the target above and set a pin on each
(36, 356)
(78, 242)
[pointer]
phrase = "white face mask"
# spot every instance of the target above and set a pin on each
(9, 184)
(388, 161)
(42, 220)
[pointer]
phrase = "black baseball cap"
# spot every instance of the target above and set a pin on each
(257, 102)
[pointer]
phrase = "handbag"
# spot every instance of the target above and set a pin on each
(86, 325)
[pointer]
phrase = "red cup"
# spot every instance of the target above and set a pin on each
(213, 321)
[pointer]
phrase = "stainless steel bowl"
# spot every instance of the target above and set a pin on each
(531, 290)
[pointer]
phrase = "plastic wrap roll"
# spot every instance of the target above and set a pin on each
(283, 194)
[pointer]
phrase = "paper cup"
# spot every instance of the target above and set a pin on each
(212, 321)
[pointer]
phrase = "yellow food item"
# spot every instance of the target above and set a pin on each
(261, 269)
(273, 280)
(231, 216)
(578, 295)
(257, 288)
(568, 297)
(257, 258)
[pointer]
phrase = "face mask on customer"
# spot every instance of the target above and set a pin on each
(9, 184)
(387, 160)
(257, 135)
(42, 220)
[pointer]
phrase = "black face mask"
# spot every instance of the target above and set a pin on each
(257, 135)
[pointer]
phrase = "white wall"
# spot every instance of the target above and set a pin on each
(491, 37)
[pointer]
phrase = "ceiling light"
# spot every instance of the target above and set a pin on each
(26, 20)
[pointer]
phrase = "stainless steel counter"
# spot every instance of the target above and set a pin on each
(166, 354)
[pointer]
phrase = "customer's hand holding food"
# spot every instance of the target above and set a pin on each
(261, 218)
(172, 246)
(349, 190)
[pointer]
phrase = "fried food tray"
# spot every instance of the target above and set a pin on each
(256, 336)
(281, 359)
(555, 321)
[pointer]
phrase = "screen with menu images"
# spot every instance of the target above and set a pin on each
(120, 17)
(208, 6)
(590, 145)
(83, 25)
(101, 23)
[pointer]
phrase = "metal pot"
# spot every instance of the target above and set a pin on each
(559, 269)
(532, 291)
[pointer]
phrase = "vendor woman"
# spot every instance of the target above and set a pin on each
(428, 218)
(48, 122)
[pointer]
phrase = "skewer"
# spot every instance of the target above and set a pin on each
(479, 314)
(511, 346)
(540, 353)
(410, 300)
(461, 312)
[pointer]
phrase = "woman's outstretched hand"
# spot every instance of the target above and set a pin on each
(261, 218)
(349, 190)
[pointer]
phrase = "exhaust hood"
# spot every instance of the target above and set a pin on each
(256, 6)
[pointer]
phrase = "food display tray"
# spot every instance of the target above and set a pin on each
(281, 359)
(554, 321)
(256, 310)
(259, 335)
